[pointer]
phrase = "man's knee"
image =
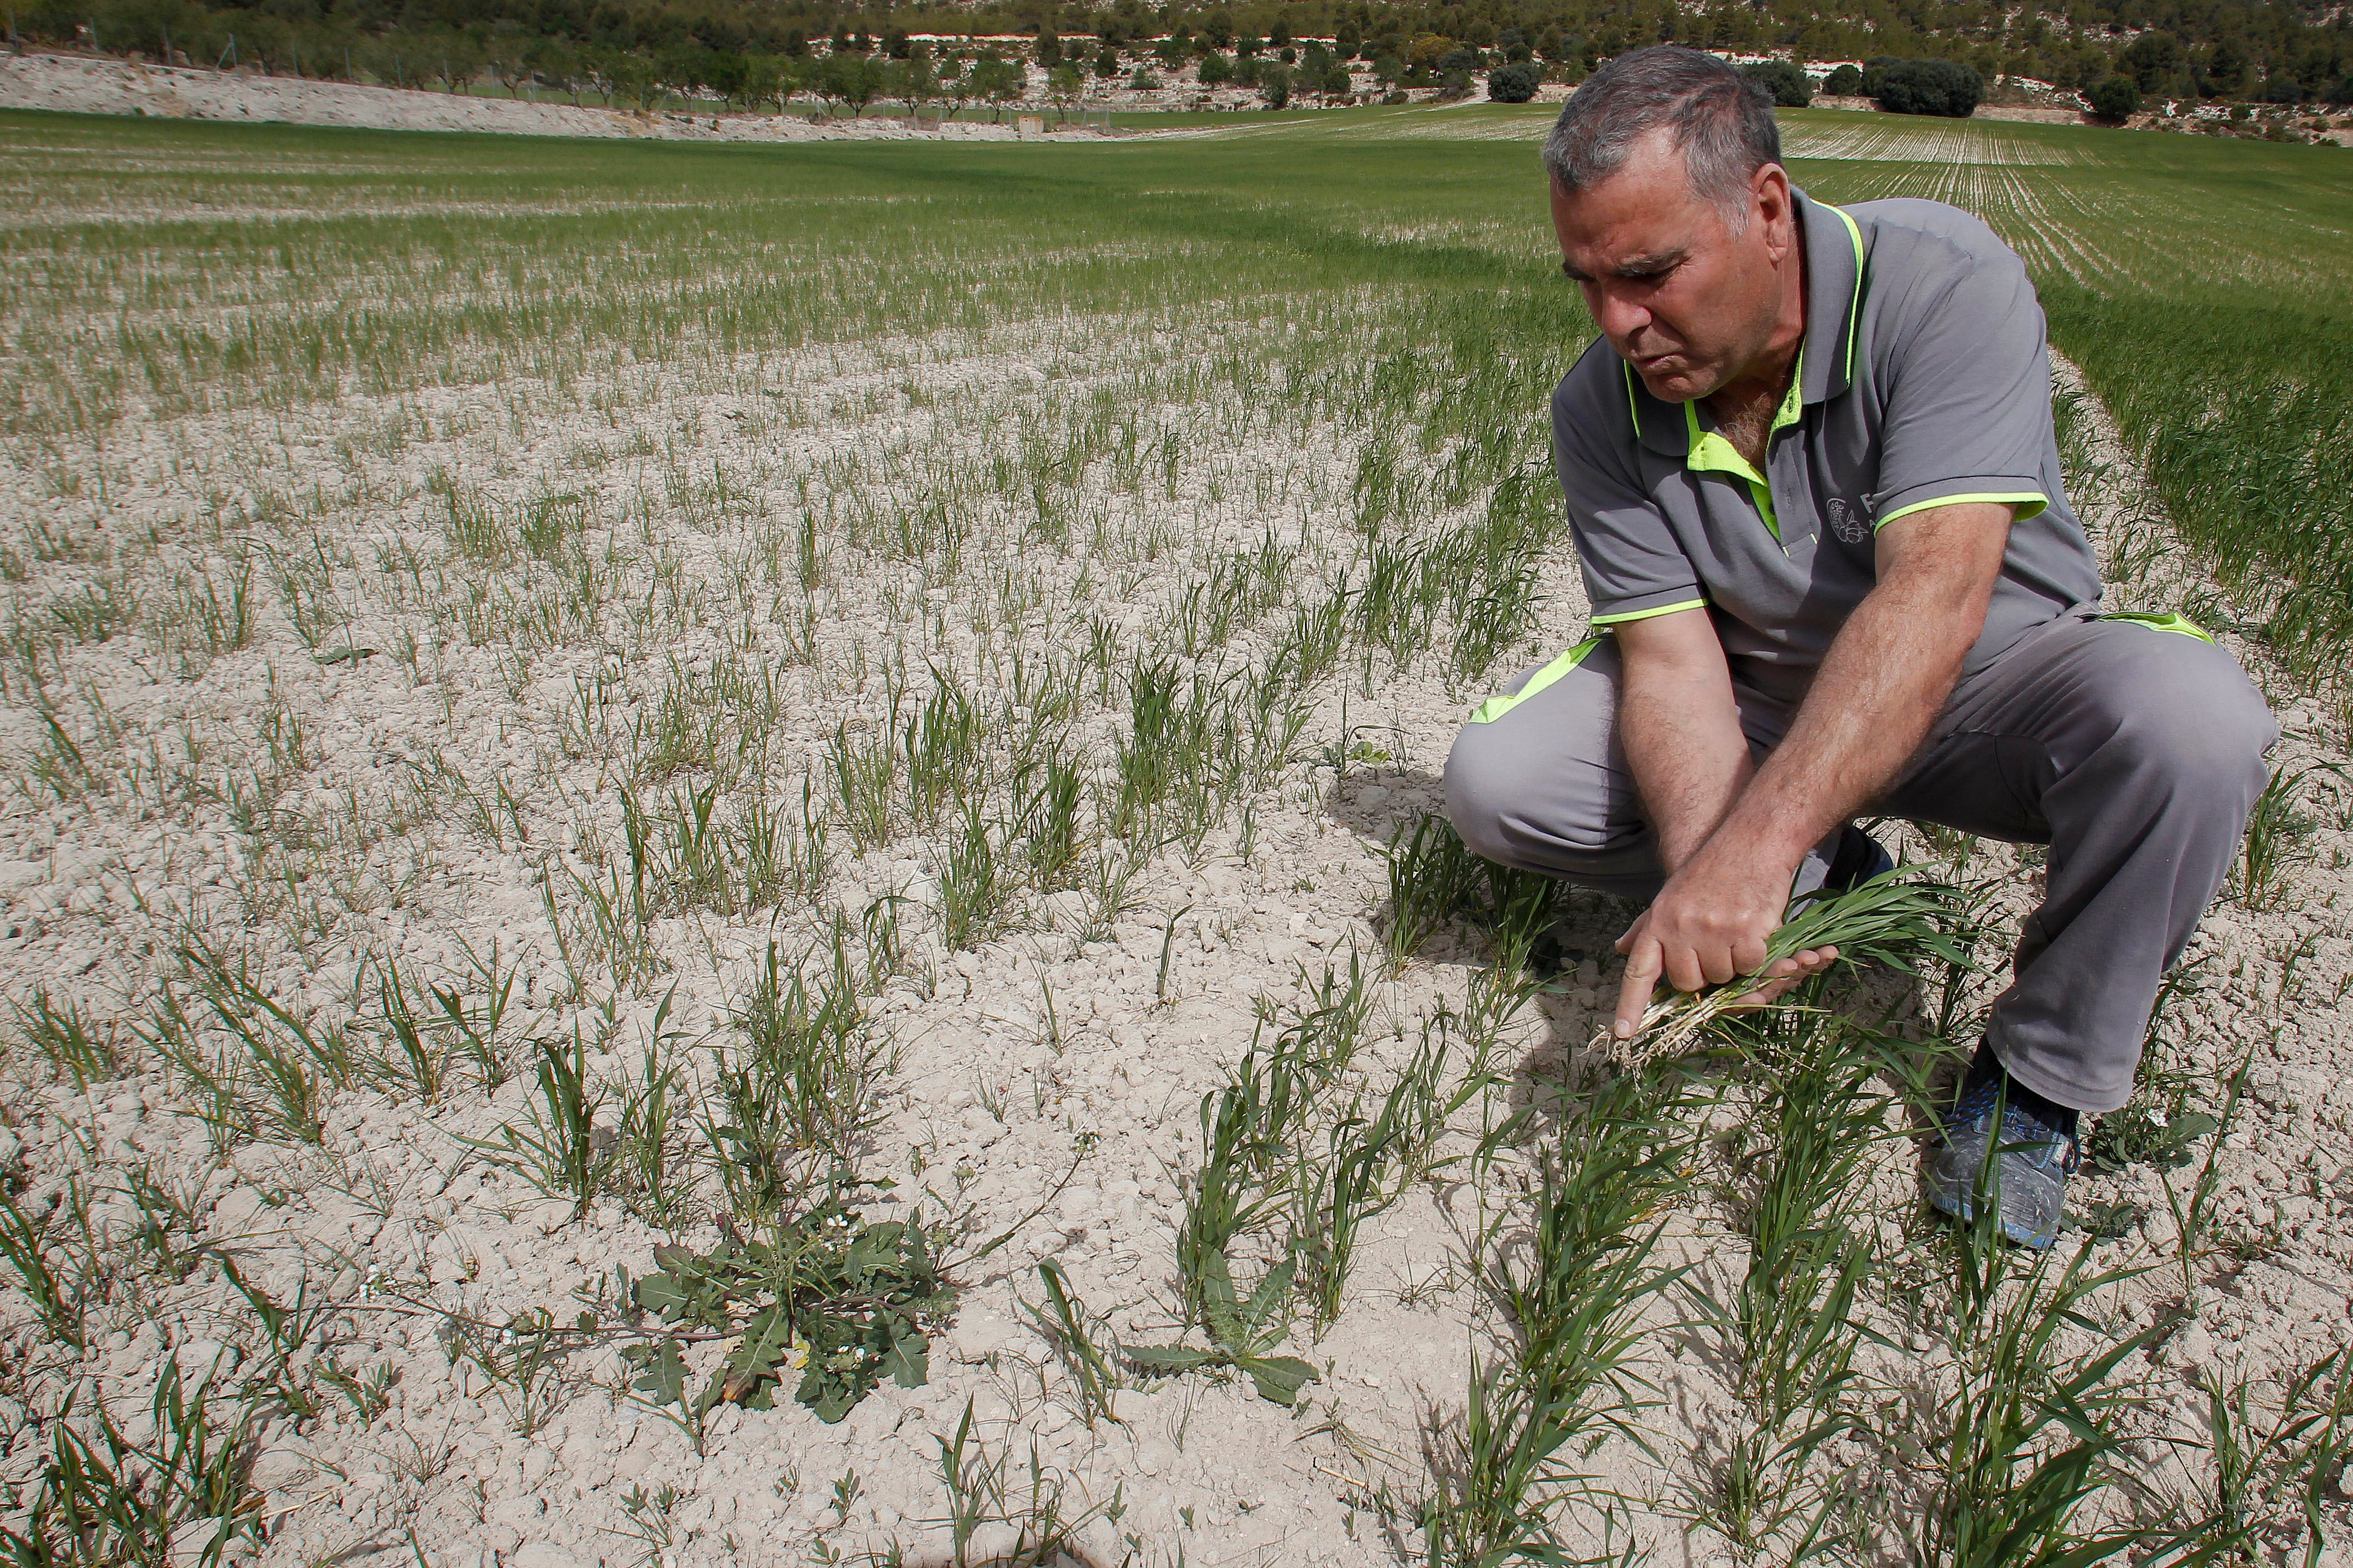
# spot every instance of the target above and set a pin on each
(1487, 781)
(2194, 719)
(1525, 804)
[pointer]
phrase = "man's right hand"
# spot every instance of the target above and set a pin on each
(1725, 891)
(1709, 923)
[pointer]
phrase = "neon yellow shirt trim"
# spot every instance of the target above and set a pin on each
(2025, 504)
(1711, 453)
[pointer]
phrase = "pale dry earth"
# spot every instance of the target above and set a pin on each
(1042, 1054)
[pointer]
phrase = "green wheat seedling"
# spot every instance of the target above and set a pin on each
(2033, 1436)
(298, 1058)
(729, 861)
(1891, 919)
(71, 1039)
(617, 932)
(984, 1488)
(212, 1088)
(166, 1215)
(425, 1036)
(522, 1359)
(647, 1156)
(182, 1495)
(2193, 1212)
(57, 1301)
(864, 771)
(559, 1149)
(202, 622)
(368, 1394)
(1576, 1288)
(1790, 1326)
(1245, 1132)
(796, 1089)
(290, 1331)
(416, 1062)
(2274, 1457)
(977, 885)
(1431, 877)
(2279, 833)
(1366, 1164)
(1067, 1328)
(1246, 1186)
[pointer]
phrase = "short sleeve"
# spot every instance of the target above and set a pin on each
(1633, 568)
(1968, 399)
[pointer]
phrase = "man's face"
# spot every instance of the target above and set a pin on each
(1683, 298)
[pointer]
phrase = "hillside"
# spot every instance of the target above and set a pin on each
(2254, 50)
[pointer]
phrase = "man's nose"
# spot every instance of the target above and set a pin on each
(1618, 316)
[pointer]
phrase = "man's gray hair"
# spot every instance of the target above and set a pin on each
(1721, 120)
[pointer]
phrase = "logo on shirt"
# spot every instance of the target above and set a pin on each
(1848, 522)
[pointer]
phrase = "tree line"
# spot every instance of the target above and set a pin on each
(2275, 51)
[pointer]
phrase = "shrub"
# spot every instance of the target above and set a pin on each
(1457, 62)
(1929, 87)
(1790, 86)
(1512, 83)
(1144, 80)
(1275, 84)
(1216, 69)
(2114, 99)
(1107, 63)
(1337, 82)
(1845, 82)
(1455, 84)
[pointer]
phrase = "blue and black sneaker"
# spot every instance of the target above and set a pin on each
(1860, 858)
(2009, 1146)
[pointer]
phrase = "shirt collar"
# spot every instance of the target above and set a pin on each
(1834, 269)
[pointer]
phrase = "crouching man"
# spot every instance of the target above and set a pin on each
(1811, 471)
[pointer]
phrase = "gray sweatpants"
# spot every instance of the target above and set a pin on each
(2134, 753)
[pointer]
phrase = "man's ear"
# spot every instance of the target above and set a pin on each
(1771, 203)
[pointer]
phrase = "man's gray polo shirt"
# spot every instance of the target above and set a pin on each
(1923, 381)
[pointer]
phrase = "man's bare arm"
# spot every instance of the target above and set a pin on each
(1680, 728)
(1885, 678)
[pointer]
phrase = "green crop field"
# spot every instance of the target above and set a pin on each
(726, 853)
